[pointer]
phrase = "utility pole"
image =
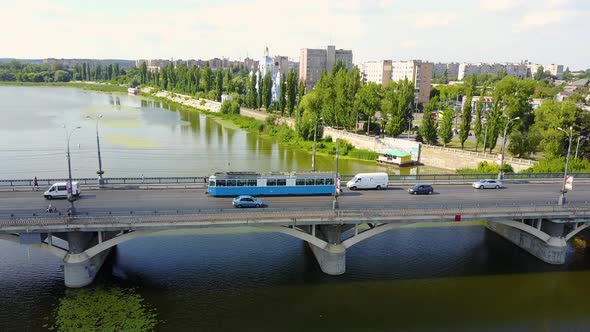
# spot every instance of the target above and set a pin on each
(69, 189)
(562, 195)
(100, 172)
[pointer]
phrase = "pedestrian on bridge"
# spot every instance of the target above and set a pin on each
(35, 184)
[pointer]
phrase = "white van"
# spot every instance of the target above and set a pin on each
(368, 181)
(60, 189)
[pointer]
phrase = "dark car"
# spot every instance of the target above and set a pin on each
(247, 201)
(421, 189)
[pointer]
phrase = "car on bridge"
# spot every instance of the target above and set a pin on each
(245, 201)
(487, 184)
(421, 189)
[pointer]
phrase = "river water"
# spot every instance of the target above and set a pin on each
(412, 279)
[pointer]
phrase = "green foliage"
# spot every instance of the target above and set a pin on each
(368, 101)
(397, 106)
(465, 121)
(522, 144)
(103, 310)
(230, 107)
(557, 165)
(484, 167)
(266, 90)
(428, 129)
(446, 129)
(552, 115)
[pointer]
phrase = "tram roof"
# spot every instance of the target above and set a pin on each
(246, 175)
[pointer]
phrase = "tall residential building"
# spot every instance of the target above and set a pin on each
(313, 61)
(376, 71)
(450, 69)
(280, 65)
(266, 63)
(417, 71)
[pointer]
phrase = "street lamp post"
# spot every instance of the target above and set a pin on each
(100, 172)
(578, 145)
(70, 198)
(335, 202)
(561, 200)
(501, 174)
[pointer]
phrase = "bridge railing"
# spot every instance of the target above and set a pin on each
(532, 206)
(202, 180)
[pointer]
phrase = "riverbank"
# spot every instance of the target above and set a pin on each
(265, 124)
(86, 85)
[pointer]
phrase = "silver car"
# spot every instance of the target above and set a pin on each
(487, 184)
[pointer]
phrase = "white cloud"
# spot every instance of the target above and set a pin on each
(435, 20)
(408, 44)
(556, 3)
(539, 18)
(498, 5)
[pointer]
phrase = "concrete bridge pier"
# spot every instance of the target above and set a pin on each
(331, 258)
(542, 238)
(80, 268)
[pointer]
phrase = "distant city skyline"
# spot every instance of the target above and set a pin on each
(541, 31)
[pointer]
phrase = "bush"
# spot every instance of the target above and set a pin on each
(486, 168)
(557, 165)
(230, 107)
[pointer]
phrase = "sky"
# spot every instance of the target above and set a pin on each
(541, 31)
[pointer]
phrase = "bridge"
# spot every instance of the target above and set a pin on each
(525, 214)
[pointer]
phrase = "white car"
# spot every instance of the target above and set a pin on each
(487, 184)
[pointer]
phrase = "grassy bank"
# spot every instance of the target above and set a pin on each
(287, 136)
(86, 86)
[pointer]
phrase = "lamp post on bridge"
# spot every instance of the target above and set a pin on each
(562, 195)
(100, 172)
(501, 174)
(69, 187)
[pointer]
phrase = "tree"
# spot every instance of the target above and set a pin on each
(62, 76)
(143, 73)
(478, 130)
(259, 90)
(429, 126)
(267, 90)
(368, 101)
(283, 97)
(522, 144)
(465, 121)
(218, 84)
(251, 97)
(397, 96)
(539, 74)
(291, 91)
(308, 115)
(206, 78)
(300, 91)
(550, 116)
(446, 129)
(230, 107)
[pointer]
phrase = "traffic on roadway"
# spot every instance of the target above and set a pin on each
(388, 198)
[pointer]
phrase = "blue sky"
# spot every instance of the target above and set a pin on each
(542, 31)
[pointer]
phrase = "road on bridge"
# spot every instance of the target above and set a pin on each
(393, 197)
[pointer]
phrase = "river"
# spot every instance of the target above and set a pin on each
(411, 279)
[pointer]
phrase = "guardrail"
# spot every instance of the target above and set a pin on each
(202, 180)
(552, 205)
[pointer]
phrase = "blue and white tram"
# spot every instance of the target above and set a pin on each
(260, 184)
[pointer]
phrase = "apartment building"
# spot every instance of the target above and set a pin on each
(313, 61)
(376, 71)
(417, 71)
(450, 69)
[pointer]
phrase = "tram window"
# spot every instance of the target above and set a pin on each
(309, 182)
(231, 183)
(252, 183)
(319, 182)
(330, 181)
(212, 183)
(281, 182)
(242, 183)
(271, 182)
(220, 183)
(300, 182)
